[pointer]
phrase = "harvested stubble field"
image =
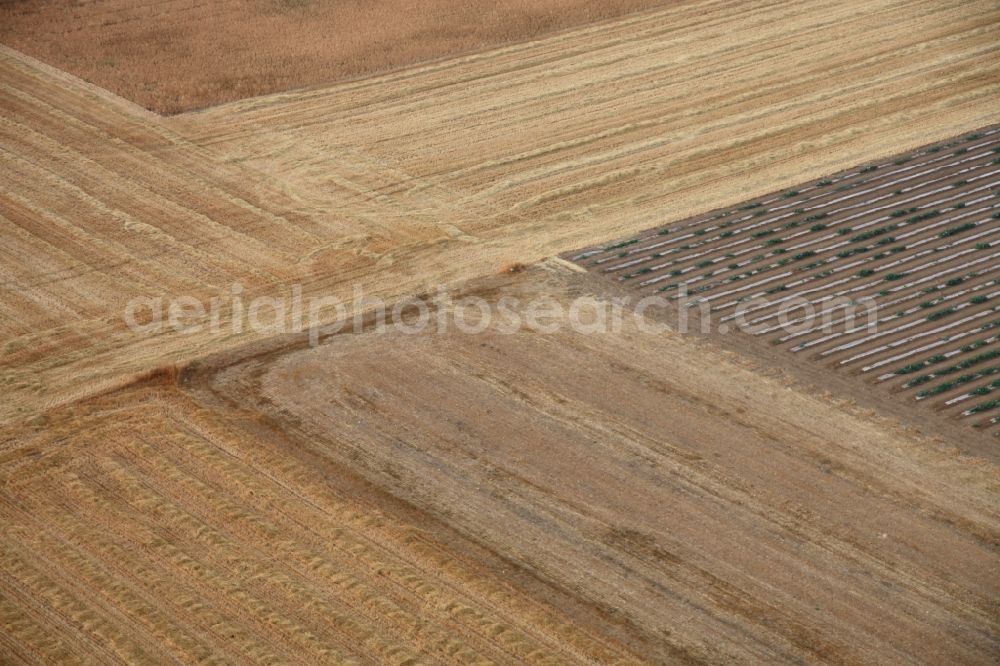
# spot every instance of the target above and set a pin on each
(233, 495)
(891, 269)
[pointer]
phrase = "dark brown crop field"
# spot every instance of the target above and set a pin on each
(890, 269)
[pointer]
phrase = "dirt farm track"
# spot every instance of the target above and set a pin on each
(228, 495)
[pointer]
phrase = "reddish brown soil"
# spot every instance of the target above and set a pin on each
(176, 56)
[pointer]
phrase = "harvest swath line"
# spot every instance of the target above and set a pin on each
(881, 231)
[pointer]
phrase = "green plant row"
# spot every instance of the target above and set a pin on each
(956, 230)
(622, 244)
(959, 381)
(940, 314)
(923, 216)
(985, 407)
(872, 233)
(967, 363)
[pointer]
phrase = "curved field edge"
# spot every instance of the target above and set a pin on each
(552, 455)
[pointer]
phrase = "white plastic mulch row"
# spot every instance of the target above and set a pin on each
(908, 311)
(898, 343)
(863, 287)
(797, 203)
(848, 267)
(919, 350)
(896, 205)
(882, 173)
(934, 205)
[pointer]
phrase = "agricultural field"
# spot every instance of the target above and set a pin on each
(524, 453)
(456, 498)
(416, 178)
(155, 54)
(221, 492)
(891, 270)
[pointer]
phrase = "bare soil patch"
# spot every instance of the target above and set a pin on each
(177, 56)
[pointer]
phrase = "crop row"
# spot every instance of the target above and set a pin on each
(891, 263)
